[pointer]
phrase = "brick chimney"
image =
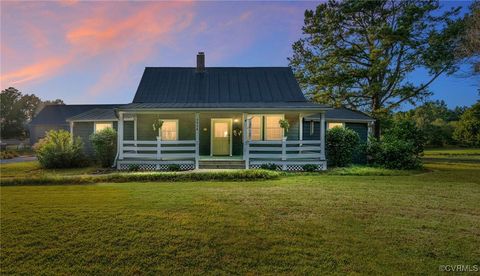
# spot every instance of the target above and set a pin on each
(200, 62)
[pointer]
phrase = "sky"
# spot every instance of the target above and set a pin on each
(95, 52)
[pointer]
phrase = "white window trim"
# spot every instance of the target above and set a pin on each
(261, 127)
(169, 120)
(101, 122)
(265, 129)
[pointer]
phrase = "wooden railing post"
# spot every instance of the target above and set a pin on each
(284, 153)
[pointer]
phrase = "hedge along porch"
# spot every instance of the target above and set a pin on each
(187, 138)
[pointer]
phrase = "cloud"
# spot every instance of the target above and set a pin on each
(120, 34)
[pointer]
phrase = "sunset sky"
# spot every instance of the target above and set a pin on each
(95, 52)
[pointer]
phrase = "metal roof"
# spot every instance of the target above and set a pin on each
(58, 114)
(96, 114)
(226, 106)
(342, 114)
(218, 85)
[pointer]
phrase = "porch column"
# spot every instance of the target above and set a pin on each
(322, 135)
(71, 130)
(120, 135)
(245, 139)
(197, 140)
(135, 131)
(300, 122)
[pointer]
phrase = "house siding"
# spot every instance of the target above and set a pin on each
(85, 129)
(186, 125)
(37, 132)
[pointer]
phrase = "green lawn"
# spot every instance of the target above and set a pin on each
(300, 224)
(459, 154)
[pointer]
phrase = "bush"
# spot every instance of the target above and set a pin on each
(269, 166)
(236, 176)
(399, 154)
(309, 167)
(467, 131)
(59, 150)
(105, 146)
(173, 167)
(400, 148)
(341, 145)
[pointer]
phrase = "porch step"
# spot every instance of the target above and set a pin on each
(221, 164)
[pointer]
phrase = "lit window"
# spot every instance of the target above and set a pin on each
(332, 125)
(312, 127)
(102, 126)
(169, 130)
(273, 131)
(256, 128)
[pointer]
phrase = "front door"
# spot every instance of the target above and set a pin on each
(221, 136)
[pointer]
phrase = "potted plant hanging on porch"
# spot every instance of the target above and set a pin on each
(157, 125)
(285, 125)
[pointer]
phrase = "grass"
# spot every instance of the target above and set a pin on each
(453, 154)
(33, 169)
(299, 224)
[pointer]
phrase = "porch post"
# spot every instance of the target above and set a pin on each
(120, 135)
(322, 135)
(71, 130)
(300, 122)
(135, 131)
(197, 140)
(245, 140)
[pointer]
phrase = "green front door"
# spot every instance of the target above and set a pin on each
(221, 136)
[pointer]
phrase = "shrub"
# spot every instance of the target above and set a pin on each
(59, 150)
(236, 175)
(105, 146)
(400, 148)
(467, 131)
(269, 166)
(173, 167)
(341, 144)
(309, 167)
(399, 154)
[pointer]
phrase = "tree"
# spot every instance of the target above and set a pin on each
(359, 53)
(12, 113)
(434, 119)
(16, 110)
(469, 47)
(467, 131)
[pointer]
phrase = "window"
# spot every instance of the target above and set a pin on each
(273, 131)
(332, 125)
(312, 127)
(169, 130)
(103, 125)
(256, 128)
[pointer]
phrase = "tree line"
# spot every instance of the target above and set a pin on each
(17, 110)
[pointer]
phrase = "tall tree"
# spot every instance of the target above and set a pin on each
(359, 53)
(16, 110)
(470, 45)
(467, 131)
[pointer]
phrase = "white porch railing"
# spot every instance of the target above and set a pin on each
(159, 150)
(288, 155)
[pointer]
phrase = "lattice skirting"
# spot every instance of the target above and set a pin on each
(126, 165)
(290, 166)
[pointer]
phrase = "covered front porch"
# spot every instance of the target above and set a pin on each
(192, 139)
